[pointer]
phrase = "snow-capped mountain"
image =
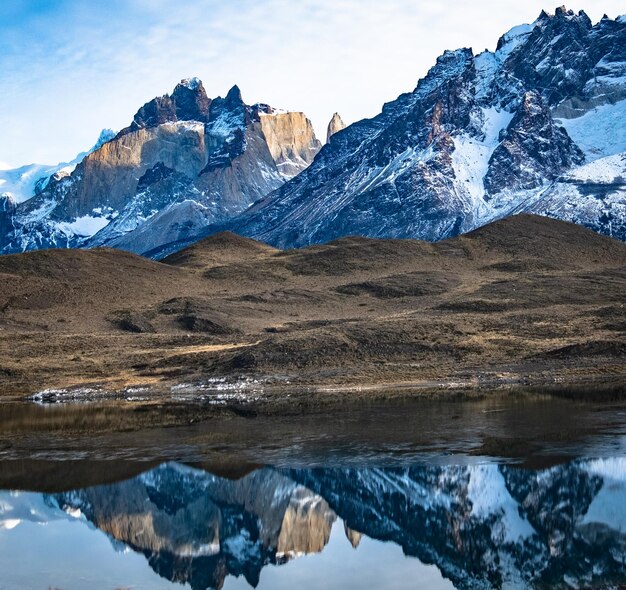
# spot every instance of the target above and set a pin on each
(537, 125)
(184, 162)
(481, 525)
(20, 184)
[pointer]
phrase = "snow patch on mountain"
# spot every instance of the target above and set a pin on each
(486, 65)
(85, 226)
(600, 132)
(175, 126)
(604, 170)
(226, 123)
(593, 195)
(375, 177)
(607, 72)
(513, 39)
(489, 496)
(19, 507)
(613, 468)
(20, 183)
(241, 547)
(607, 507)
(471, 155)
(191, 83)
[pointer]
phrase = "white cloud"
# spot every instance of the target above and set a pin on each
(91, 65)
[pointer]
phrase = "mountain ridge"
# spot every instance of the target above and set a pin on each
(538, 126)
(185, 161)
(481, 137)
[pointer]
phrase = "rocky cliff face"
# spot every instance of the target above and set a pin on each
(521, 162)
(291, 140)
(481, 137)
(184, 162)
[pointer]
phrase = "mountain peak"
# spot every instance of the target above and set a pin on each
(105, 136)
(563, 11)
(190, 100)
(336, 124)
(191, 83)
(234, 95)
(515, 36)
(189, 86)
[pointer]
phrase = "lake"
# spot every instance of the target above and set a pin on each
(523, 492)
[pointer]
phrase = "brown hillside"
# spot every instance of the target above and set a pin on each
(504, 303)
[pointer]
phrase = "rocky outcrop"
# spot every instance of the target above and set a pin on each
(353, 536)
(533, 149)
(186, 161)
(188, 102)
(336, 124)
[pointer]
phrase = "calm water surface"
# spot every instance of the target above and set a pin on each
(498, 494)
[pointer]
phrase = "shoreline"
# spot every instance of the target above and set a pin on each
(255, 396)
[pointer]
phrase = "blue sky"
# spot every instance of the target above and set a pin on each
(69, 68)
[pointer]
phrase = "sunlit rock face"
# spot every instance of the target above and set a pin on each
(481, 137)
(198, 528)
(306, 525)
(290, 139)
(185, 161)
(482, 526)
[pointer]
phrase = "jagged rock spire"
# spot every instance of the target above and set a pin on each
(234, 95)
(336, 124)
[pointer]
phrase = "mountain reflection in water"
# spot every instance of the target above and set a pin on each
(480, 525)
